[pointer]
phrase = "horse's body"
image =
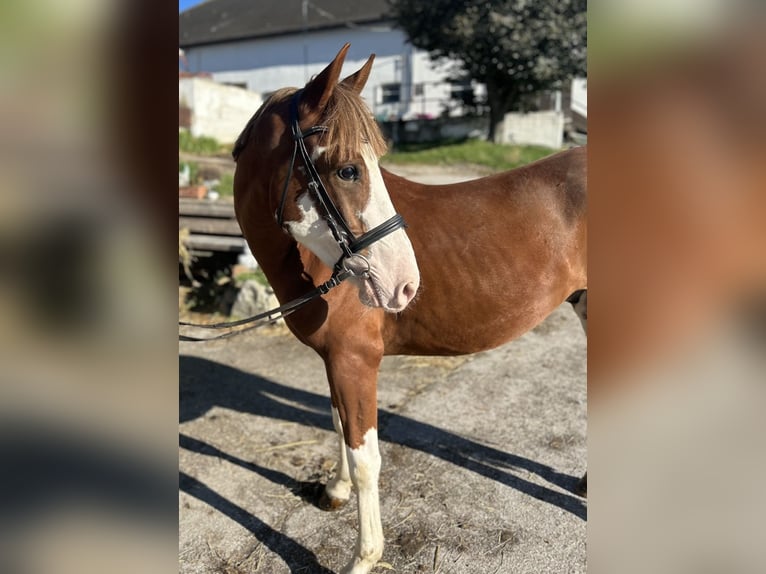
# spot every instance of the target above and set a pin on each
(494, 257)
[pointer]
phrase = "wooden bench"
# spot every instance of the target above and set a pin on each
(212, 226)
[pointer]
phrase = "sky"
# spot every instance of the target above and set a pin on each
(184, 4)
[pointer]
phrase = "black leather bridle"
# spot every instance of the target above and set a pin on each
(350, 244)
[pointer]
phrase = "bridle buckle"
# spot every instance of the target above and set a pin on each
(364, 273)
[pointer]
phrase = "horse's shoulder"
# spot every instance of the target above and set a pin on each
(570, 171)
(577, 183)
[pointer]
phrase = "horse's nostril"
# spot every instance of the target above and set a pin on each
(405, 293)
(409, 290)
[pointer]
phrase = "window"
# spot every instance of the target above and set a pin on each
(461, 90)
(390, 93)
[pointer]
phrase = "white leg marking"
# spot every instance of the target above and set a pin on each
(364, 464)
(339, 487)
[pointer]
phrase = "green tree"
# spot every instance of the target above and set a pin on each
(517, 48)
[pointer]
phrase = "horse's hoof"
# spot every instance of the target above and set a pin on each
(327, 502)
(582, 487)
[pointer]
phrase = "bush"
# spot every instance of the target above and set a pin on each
(226, 184)
(201, 145)
(193, 171)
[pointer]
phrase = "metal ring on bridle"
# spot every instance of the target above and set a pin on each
(365, 273)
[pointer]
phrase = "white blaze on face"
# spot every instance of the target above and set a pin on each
(394, 271)
(313, 232)
(394, 275)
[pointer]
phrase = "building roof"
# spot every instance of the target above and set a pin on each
(217, 21)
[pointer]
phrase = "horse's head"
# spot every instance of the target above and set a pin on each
(326, 190)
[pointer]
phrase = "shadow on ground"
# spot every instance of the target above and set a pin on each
(296, 556)
(204, 384)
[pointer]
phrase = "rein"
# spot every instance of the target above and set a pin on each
(266, 317)
(350, 244)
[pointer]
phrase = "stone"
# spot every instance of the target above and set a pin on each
(253, 298)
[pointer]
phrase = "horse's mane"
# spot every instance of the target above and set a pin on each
(349, 124)
(273, 99)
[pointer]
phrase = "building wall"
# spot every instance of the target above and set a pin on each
(267, 64)
(216, 110)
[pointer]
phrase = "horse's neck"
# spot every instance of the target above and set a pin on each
(291, 269)
(277, 253)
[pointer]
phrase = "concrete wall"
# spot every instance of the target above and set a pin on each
(580, 96)
(534, 128)
(216, 110)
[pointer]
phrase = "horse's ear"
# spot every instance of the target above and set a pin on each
(358, 80)
(317, 92)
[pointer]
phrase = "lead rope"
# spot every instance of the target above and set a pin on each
(270, 316)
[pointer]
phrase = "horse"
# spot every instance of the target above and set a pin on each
(416, 269)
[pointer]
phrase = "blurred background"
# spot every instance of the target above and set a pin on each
(677, 254)
(88, 401)
(88, 394)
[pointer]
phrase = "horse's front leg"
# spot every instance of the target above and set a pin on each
(353, 379)
(338, 489)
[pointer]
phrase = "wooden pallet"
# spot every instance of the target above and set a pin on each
(212, 226)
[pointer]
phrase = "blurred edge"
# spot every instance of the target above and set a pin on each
(677, 257)
(88, 395)
(88, 401)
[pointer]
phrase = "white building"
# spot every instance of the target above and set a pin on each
(213, 109)
(263, 45)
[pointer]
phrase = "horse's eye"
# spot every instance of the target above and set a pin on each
(348, 173)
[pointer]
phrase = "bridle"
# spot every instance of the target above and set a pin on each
(350, 245)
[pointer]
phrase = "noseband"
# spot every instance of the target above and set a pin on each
(350, 244)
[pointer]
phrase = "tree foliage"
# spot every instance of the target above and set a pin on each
(517, 48)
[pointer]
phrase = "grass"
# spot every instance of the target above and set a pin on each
(193, 171)
(256, 274)
(498, 157)
(202, 145)
(495, 157)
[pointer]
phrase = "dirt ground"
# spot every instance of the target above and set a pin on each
(480, 457)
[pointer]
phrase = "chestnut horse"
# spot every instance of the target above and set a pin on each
(478, 264)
